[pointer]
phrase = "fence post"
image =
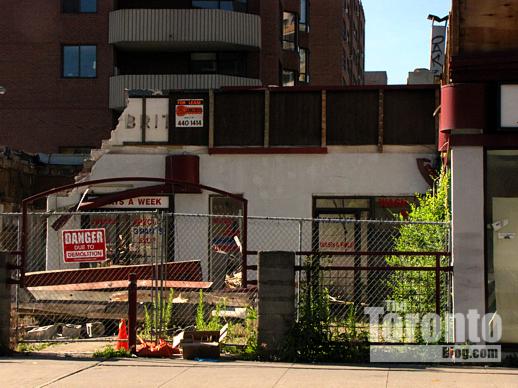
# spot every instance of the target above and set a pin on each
(132, 313)
(437, 284)
(5, 305)
(276, 298)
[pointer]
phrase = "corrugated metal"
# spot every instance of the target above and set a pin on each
(185, 28)
(172, 81)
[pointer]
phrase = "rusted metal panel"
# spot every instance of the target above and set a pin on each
(184, 270)
(239, 119)
(409, 117)
(295, 119)
(352, 117)
(116, 284)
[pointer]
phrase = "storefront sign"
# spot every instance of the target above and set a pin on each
(189, 113)
(438, 47)
(392, 203)
(84, 245)
(149, 202)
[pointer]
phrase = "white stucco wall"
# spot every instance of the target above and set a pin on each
(468, 229)
(281, 185)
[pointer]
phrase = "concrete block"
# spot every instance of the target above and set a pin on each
(275, 307)
(42, 333)
(276, 298)
(71, 331)
(277, 259)
(272, 322)
(269, 274)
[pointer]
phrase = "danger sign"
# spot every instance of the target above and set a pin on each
(84, 245)
(189, 113)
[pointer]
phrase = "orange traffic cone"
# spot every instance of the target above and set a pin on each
(123, 335)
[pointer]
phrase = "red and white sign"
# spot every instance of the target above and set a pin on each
(84, 245)
(149, 202)
(189, 113)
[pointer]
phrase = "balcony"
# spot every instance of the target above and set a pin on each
(184, 29)
(172, 81)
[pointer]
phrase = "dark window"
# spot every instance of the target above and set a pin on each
(289, 31)
(304, 66)
(204, 63)
(218, 63)
(229, 5)
(79, 61)
(288, 78)
(304, 16)
(79, 6)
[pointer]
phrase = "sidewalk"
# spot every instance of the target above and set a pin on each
(48, 372)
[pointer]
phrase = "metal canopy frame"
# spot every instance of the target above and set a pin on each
(127, 194)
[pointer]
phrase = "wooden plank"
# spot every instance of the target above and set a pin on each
(143, 296)
(180, 270)
(176, 284)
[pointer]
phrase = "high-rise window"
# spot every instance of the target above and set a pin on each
(304, 16)
(231, 63)
(229, 5)
(79, 6)
(288, 78)
(79, 61)
(304, 65)
(289, 31)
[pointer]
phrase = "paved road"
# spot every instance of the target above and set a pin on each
(47, 372)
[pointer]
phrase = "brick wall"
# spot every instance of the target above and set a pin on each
(42, 111)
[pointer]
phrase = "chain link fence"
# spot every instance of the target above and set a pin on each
(181, 259)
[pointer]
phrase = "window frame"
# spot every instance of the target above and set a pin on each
(79, 45)
(304, 27)
(307, 77)
(295, 33)
(78, 5)
(294, 77)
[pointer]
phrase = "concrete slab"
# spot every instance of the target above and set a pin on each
(35, 372)
(70, 372)
(333, 376)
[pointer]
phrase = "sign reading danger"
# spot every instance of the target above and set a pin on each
(84, 245)
(189, 113)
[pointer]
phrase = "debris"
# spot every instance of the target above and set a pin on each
(162, 349)
(42, 333)
(203, 344)
(233, 281)
(95, 329)
(71, 331)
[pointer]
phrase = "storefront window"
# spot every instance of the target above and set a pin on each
(289, 31)
(502, 239)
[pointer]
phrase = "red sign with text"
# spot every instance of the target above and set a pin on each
(84, 245)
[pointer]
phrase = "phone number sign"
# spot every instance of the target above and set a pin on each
(84, 245)
(189, 113)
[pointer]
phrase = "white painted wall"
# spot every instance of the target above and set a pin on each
(468, 229)
(275, 186)
(281, 185)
